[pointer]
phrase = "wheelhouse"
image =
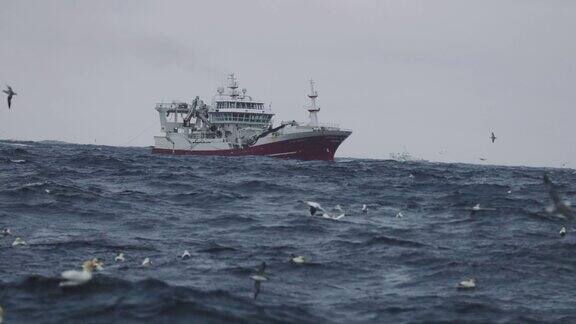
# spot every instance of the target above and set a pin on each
(239, 105)
(241, 118)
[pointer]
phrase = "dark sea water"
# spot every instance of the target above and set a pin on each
(75, 202)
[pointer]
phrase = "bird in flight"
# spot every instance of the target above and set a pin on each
(493, 137)
(258, 278)
(10, 94)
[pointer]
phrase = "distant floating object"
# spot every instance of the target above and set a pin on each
(297, 259)
(75, 277)
(146, 262)
(10, 94)
(19, 242)
(476, 208)
(258, 277)
(399, 215)
(562, 231)
(120, 257)
(493, 137)
(364, 209)
(6, 232)
(467, 284)
(509, 191)
(47, 191)
(482, 159)
(185, 255)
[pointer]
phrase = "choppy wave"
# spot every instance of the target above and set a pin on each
(74, 202)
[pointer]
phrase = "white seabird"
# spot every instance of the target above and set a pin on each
(258, 277)
(297, 258)
(477, 208)
(146, 262)
(185, 255)
(75, 277)
(119, 257)
(364, 209)
(19, 242)
(467, 284)
(562, 231)
(314, 207)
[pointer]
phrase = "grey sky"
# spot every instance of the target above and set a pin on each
(417, 76)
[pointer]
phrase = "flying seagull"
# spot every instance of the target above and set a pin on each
(10, 94)
(258, 277)
(493, 137)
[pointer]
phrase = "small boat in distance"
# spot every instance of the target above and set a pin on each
(236, 125)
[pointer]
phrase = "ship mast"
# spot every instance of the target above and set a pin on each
(313, 109)
(233, 85)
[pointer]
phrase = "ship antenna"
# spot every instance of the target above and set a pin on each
(313, 109)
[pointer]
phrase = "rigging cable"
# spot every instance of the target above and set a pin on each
(142, 132)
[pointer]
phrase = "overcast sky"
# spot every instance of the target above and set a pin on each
(431, 78)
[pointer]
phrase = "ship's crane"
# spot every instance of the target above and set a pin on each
(197, 109)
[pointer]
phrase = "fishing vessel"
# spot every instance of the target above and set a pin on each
(234, 124)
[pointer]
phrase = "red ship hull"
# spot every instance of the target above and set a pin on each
(306, 148)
